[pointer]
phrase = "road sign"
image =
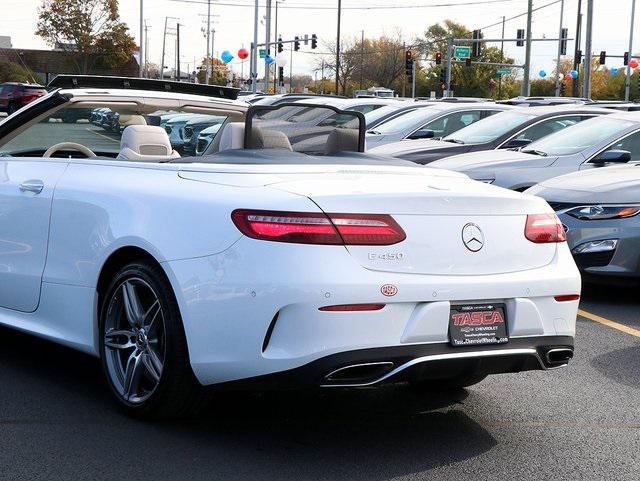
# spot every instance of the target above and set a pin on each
(263, 53)
(503, 71)
(462, 52)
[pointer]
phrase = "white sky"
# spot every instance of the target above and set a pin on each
(234, 26)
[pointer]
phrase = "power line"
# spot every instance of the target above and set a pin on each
(521, 14)
(370, 7)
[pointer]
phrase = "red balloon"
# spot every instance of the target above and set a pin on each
(633, 63)
(568, 77)
(243, 53)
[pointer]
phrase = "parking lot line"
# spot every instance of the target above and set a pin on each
(104, 136)
(609, 323)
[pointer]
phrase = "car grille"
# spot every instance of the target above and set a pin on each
(593, 259)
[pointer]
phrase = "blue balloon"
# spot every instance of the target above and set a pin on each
(269, 60)
(574, 74)
(614, 71)
(542, 73)
(226, 56)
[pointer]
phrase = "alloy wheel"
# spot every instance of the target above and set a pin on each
(134, 340)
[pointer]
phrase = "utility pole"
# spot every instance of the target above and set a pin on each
(267, 42)
(586, 90)
(526, 86)
(627, 81)
(576, 60)
(362, 60)
(254, 50)
(178, 74)
(559, 49)
(338, 48)
(146, 50)
(207, 75)
(413, 79)
(291, 71)
(141, 38)
(448, 72)
(322, 77)
(504, 19)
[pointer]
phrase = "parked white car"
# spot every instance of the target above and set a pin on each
(257, 264)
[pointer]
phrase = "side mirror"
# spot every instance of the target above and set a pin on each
(422, 134)
(613, 156)
(517, 143)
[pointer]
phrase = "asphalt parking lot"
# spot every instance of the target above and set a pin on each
(57, 421)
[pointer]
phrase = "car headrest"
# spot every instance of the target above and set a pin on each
(342, 140)
(269, 139)
(146, 143)
(232, 136)
(126, 120)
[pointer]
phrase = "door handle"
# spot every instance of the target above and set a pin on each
(34, 186)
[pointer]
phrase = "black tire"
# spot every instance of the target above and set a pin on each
(446, 384)
(12, 108)
(177, 393)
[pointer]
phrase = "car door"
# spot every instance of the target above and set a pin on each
(26, 193)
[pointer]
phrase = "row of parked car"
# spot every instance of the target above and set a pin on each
(581, 156)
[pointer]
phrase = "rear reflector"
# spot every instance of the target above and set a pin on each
(544, 229)
(567, 297)
(318, 228)
(353, 307)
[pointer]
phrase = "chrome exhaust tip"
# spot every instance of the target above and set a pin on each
(359, 373)
(558, 356)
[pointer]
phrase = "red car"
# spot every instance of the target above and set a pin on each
(14, 96)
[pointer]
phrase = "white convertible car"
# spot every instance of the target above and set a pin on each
(281, 257)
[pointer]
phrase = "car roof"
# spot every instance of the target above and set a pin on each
(632, 116)
(540, 110)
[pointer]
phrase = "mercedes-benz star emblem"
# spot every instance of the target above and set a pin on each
(472, 237)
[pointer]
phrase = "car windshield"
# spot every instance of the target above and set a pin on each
(405, 121)
(374, 116)
(578, 137)
(489, 129)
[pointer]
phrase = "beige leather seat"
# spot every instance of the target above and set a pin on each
(342, 140)
(146, 143)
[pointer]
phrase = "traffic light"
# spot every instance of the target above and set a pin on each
(476, 48)
(578, 59)
(603, 57)
(467, 62)
(626, 59)
(280, 47)
(438, 58)
(314, 41)
(443, 76)
(563, 42)
(520, 37)
(296, 43)
(408, 64)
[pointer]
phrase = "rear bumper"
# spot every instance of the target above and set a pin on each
(253, 310)
(372, 367)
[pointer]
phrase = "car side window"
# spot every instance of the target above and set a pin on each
(547, 127)
(365, 109)
(631, 144)
(451, 123)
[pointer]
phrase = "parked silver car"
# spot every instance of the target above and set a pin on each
(439, 120)
(593, 143)
(599, 209)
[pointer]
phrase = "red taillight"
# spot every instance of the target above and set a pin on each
(567, 297)
(318, 228)
(353, 307)
(544, 228)
(27, 99)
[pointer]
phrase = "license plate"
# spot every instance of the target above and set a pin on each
(476, 324)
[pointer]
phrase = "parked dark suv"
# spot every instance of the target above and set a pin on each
(14, 96)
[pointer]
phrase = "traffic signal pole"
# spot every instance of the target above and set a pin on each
(526, 81)
(627, 81)
(559, 50)
(586, 89)
(448, 72)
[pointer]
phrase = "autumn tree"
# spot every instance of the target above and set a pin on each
(219, 72)
(13, 72)
(90, 30)
(473, 81)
